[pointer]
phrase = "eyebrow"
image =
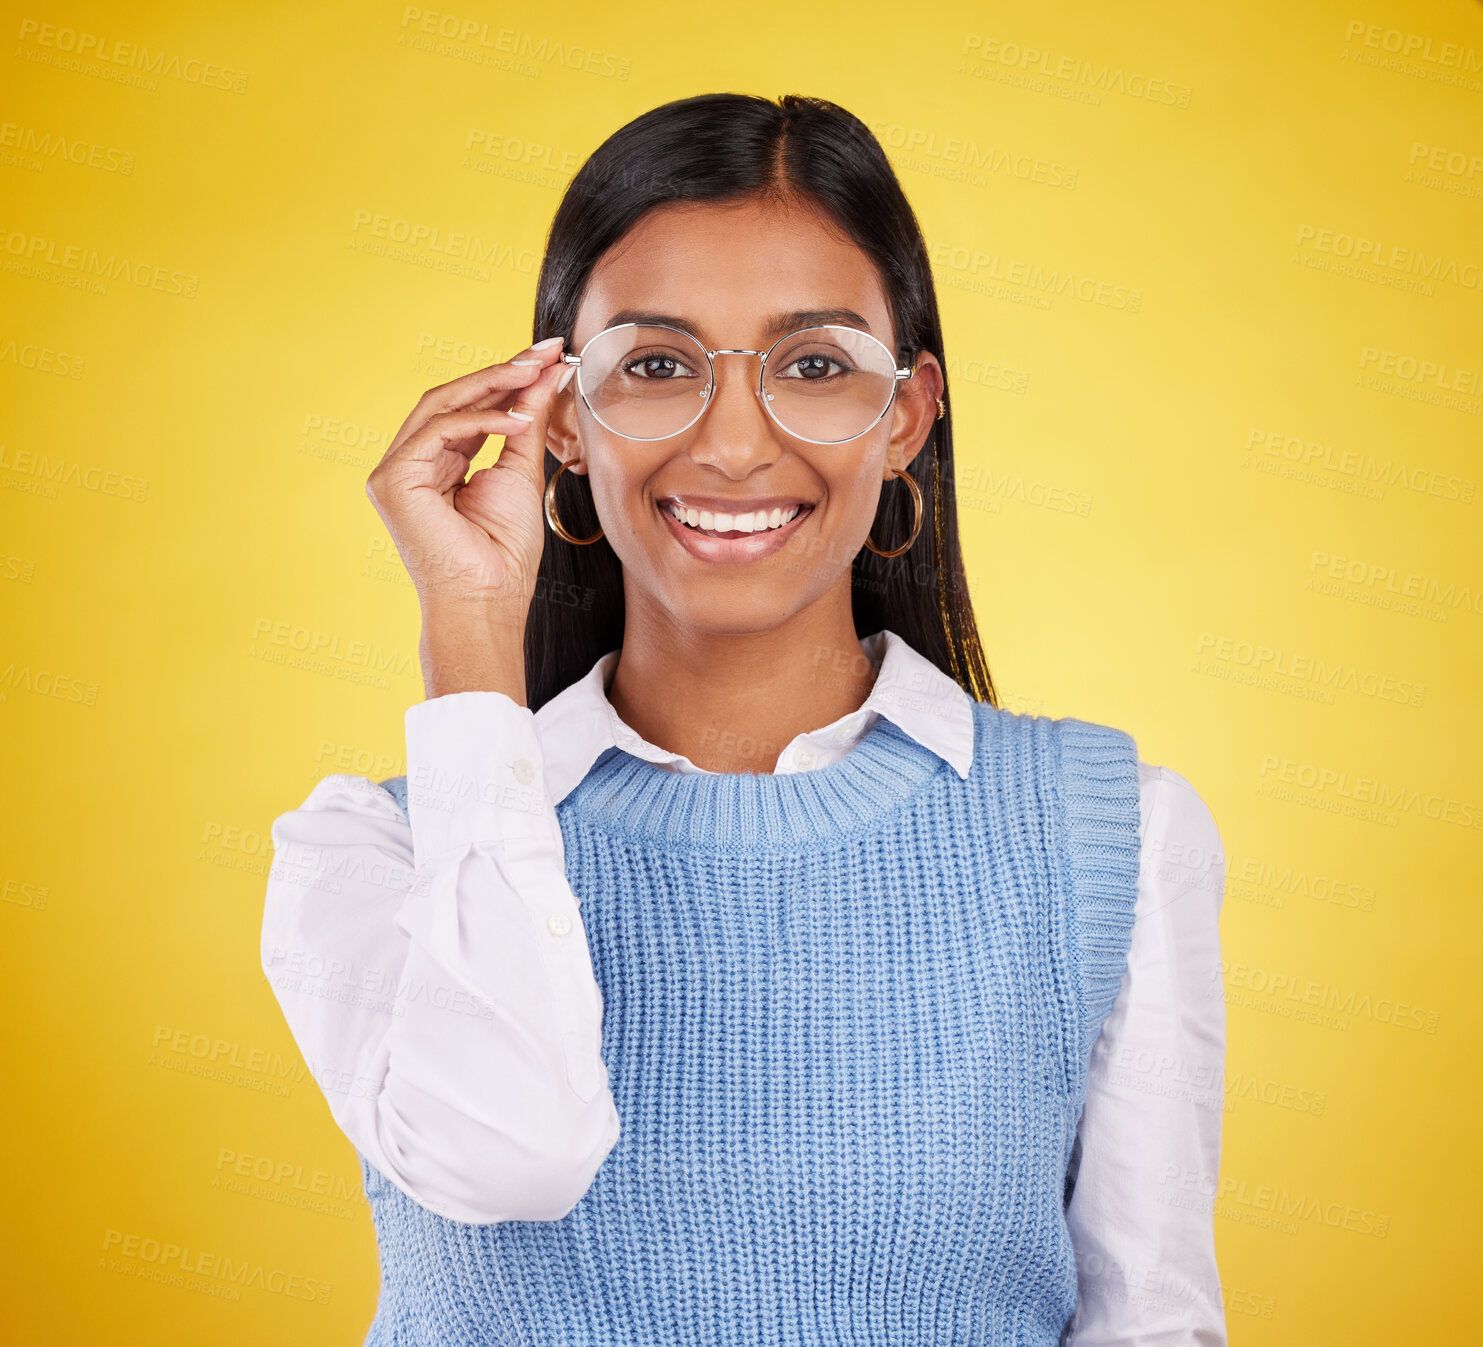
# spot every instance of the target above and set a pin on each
(778, 323)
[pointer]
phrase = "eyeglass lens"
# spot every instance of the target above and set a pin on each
(826, 384)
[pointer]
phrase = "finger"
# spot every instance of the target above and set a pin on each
(494, 379)
(525, 449)
(505, 398)
(482, 387)
(439, 453)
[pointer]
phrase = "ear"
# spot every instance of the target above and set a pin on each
(914, 412)
(562, 436)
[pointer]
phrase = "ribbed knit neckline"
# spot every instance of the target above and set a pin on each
(749, 811)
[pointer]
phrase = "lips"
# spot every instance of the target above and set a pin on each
(718, 520)
(733, 546)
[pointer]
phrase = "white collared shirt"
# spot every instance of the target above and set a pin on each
(435, 974)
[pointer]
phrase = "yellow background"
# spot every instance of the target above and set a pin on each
(184, 450)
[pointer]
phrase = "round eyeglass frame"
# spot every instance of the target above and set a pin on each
(901, 372)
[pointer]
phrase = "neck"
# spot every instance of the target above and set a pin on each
(732, 701)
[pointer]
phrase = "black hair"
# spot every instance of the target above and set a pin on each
(727, 148)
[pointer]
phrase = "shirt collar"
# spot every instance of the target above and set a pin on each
(579, 724)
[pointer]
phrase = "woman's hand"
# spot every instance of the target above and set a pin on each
(478, 540)
(473, 548)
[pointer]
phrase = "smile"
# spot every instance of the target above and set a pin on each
(730, 537)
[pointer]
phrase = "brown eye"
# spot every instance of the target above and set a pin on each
(815, 367)
(654, 365)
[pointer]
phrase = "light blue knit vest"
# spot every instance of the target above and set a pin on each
(848, 1015)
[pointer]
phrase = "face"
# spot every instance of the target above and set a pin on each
(723, 273)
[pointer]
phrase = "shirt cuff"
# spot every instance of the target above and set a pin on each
(475, 773)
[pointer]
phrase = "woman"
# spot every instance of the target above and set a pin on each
(728, 967)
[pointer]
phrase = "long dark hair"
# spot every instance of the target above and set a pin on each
(722, 148)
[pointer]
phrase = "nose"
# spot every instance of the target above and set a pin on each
(746, 376)
(733, 426)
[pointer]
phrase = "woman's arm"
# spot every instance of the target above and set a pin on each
(1141, 1212)
(434, 970)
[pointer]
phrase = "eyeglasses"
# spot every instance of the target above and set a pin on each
(826, 384)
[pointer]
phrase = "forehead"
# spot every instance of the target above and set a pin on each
(728, 269)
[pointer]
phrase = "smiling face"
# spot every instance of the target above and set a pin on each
(738, 275)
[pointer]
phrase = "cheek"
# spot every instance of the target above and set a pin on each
(618, 477)
(617, 499)
(854, 487)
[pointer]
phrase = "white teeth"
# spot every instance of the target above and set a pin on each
(756, 521)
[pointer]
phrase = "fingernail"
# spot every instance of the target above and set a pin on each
(566, 377)
(543, 345)
(524, 416)
(525, 362)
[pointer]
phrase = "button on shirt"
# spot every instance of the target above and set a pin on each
(435, 975)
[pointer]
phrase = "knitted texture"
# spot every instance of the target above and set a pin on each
(848, 1015)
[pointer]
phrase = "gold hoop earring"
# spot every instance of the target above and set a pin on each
(551, 518)
(916, 498)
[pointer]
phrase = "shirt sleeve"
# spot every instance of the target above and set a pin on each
(434, 971)
(1149, 1139)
